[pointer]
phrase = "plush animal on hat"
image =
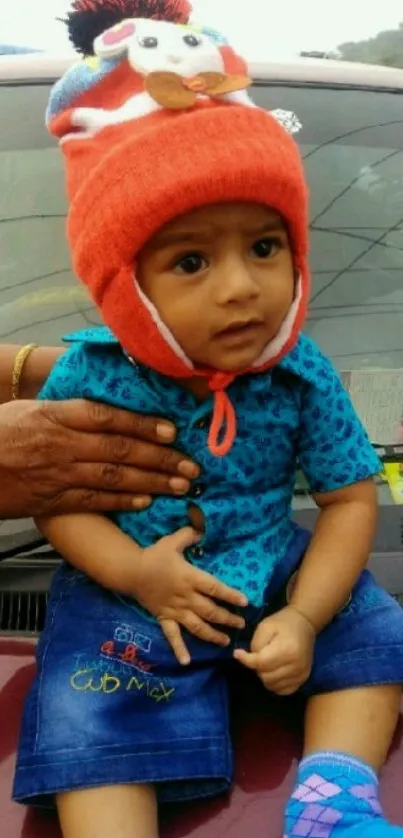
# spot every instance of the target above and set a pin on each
(177, 65)
(173, 65)
(155, 123)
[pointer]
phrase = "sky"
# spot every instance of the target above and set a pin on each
(266, 29)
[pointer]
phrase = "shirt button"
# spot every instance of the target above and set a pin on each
(197, 552)
(197, 490)
(201, 424)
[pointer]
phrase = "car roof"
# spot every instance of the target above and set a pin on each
(46, 67)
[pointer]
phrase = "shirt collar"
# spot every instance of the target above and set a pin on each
(305, 360)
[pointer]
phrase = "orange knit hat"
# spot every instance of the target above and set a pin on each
(156, 123)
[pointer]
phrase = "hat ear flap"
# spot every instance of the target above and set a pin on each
(115, 41)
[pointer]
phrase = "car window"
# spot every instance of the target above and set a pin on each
(39, 297)
(352, 145)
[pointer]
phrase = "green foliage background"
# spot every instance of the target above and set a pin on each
(386, 48)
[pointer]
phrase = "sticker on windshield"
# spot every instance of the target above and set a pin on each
(288, 119)
(377, 396)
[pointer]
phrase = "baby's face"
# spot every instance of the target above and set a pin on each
(222, 281)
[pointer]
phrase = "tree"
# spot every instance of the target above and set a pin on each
(386, 48)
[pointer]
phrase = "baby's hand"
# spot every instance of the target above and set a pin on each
(281, 651)
(177, 593)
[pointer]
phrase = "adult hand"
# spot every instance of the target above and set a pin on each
(281, 651)
(179, 594)
(58, 457)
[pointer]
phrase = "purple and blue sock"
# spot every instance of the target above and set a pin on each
(336, 796)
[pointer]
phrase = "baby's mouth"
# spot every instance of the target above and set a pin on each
(241, 329)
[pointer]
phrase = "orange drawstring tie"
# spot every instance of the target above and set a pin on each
(223, 424)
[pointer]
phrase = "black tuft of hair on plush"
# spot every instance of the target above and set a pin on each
(89, 18)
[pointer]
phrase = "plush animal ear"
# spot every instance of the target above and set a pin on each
(115, 40)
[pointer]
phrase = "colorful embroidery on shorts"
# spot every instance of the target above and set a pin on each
(125, 653)
(125, 634)
(91, 681)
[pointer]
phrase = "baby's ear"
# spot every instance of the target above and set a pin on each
(116, 40)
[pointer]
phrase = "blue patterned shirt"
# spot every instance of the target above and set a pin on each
(297, 415)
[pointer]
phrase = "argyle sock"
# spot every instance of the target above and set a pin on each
(336, 796)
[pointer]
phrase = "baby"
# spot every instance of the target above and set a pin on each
(188, 224)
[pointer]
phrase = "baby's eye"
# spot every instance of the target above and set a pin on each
(264, 248)
(192, 263)
(192, 40)
(148, 42)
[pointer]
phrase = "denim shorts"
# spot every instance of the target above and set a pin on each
(110, 704)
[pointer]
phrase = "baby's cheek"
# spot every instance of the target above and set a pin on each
(279, 300)
(187, 319)
(194, 342)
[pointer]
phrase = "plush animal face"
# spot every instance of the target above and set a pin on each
(153, 45)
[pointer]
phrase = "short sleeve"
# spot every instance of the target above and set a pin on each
(66, 378)
(334, 449)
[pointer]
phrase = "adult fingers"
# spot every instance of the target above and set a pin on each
(118, 436)
(174, 637)
(83, 415)
(212, 587)
(122, 478)
(215, 614)
(125, 450)
(90, 500)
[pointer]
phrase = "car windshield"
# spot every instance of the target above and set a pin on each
(352, 144)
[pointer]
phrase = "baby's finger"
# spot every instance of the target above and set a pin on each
(203, 630)
(251, 660)
(215, 614)
(182, 539)
(278, 676)
(174, 637)
(263, 636)
(282, 687)
(261, 662)
(271, 657)
(211, 587)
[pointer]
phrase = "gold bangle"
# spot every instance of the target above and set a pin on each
(19, 363)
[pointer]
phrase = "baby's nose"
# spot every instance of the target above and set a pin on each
(174, 58)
